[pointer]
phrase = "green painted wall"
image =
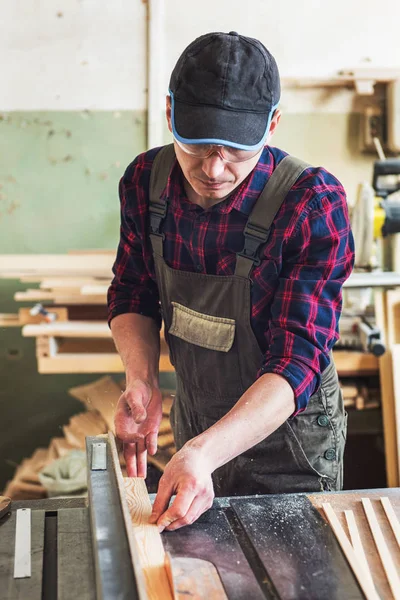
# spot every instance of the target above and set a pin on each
(59, 174)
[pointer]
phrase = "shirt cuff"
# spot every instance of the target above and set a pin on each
(126, 308)
(303, 380)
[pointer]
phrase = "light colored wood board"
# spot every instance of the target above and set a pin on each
(94, 289)
(58, 448)
(392, 518)
(20, 490)
(167, 403)
(165, 440)
(101, 395)
(75, 575)
(194, 579)
(369, 591)
(26, 318)
(141, 583)
(149, 543)
(69, 329)
(165, 426)
(57, 298)
(396, 391)
(89, 363)
(9, 320)
(94, 265)
(5, 503)
(355, 363)
(357, 545)
(393, 316)
(352, 501)
(68, 282)
(383, 550)
(387, 395)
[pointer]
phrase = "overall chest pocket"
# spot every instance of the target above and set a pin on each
(204, 352)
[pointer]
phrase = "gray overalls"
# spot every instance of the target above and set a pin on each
(216, 357)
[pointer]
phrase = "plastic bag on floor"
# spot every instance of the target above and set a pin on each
(65, 475)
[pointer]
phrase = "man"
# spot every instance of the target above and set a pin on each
(249, 283)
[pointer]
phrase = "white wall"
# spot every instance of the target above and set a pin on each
(77, 54)
(72, 54)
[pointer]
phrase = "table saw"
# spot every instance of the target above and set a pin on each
(274, 547)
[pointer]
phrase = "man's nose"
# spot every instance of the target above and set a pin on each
(213, 166)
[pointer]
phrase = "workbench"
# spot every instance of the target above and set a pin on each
(262, 546)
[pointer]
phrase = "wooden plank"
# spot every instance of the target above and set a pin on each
(26, 318)
(57, 297)
(9, 320)
(349, 552)
(387, 395)
(357, 545)
(94, 265)
(396, 392)
(148, 539)
(392, 518)
(90, 363)
(351, 501)
(95, 289)
(386, 558)
(101, 395)
(393, 316)
(69, 329)
(355, 363)
(31, 587)
(141, 582)
(74, 553)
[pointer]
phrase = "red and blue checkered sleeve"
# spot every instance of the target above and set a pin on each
(317, 259)
(133, 288)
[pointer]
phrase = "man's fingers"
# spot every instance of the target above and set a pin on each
(161, 502)
(130, 459)
(151, 443)
(141, 458)
(199, 505)
(177, 510)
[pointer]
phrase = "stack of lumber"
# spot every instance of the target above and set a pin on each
(359, 395)
(100, 399)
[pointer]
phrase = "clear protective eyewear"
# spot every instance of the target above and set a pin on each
(226, 153)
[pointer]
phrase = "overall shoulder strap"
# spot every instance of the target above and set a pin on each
(160, 171)
(257, 229)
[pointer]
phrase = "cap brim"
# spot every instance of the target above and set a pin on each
(209, 124)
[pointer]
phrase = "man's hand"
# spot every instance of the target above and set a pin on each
(188, 475)
(137, 419)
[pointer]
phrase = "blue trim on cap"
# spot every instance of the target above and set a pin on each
(215, 140)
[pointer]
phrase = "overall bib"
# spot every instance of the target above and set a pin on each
(216, 357)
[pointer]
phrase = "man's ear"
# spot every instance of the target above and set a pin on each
(274, 123)
(168, 112)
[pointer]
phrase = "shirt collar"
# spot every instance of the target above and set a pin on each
(242, 199)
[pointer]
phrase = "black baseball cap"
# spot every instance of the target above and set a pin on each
(224, 90)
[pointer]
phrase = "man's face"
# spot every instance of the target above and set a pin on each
(212, 177)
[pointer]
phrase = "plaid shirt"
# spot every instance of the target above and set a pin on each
(296, 291)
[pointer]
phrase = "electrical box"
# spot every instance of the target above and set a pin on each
(393, 115)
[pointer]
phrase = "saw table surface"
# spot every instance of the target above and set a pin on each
(263, 547)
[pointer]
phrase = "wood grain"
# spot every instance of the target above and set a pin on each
(357, 545)
(386, 558)
(392, 518)
(149, 543)
(369, 591)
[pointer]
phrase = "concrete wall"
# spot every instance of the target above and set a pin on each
(73, 114)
